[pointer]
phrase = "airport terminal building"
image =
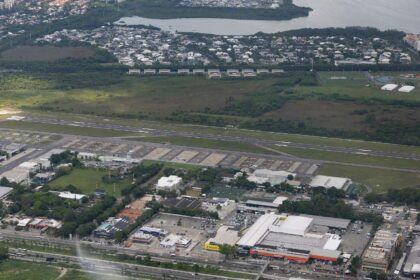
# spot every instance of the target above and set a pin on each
(296, 238)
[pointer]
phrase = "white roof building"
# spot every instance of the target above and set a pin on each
(24, 222)
(389, 87)
(173, 240)
(329, 182)
(292, 237)
(69, 195)
(407, 89)
(169, 183)
(261, 176)
(225, 236)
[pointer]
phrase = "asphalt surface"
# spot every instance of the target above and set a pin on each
(165, 132)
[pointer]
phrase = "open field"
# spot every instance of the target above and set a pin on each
(87, 180)
(377, 179)
(19, 270)
(65, 129)
(159, 96)
(45, 53)
(205, 143)
(357, 86)
(281, 103)
(351, 158)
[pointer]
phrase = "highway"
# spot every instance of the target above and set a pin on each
(111, 267)
(254, 141)
(239, 266)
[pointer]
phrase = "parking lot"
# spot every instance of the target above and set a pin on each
(195, 229)
(9, 136)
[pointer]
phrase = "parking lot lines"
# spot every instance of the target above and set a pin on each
(213, 159)
(157, 153)
(185, 156)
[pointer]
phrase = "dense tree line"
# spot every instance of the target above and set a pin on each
(404, 196)
(65, 157)
(82, 222)
(349, 32)
(330, 204)
(171, 9)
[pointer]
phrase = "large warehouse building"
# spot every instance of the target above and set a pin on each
(296, 238)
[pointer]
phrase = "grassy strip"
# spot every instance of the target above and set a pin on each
(205, 143)
(234, 132)
(173, 165)
(20, 270)
(351, 158)
(378, 180)
(65, 129)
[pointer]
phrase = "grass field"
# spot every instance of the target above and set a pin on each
(377, 179)
(88, 180)
(174, 165)
(19, 270)
(234, 132)
(65, 129)
(205, 143)
(357, 86)
(351, 158)
(45, 53)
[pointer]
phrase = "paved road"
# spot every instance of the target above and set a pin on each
(7, 234)
(98, 265)
(254, 141)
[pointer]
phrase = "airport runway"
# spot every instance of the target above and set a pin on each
(254, 141)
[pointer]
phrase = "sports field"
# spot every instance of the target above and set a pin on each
(87, 180)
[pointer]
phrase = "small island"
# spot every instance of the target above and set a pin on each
(238, 9)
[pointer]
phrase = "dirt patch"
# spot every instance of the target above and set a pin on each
(45, 53)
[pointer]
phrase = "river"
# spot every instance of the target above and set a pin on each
(402, 15)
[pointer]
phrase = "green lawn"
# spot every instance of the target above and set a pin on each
(65, 129)
(88, 180)
(174, 165)
(357, 86)
(351, 158)
(378, 180)
(19, 270)
(205, 143)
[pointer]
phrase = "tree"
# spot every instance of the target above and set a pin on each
(4, 253)
(355, 264)
(227, 250)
